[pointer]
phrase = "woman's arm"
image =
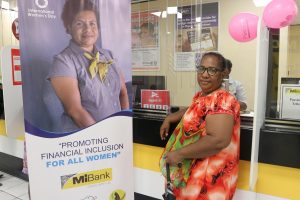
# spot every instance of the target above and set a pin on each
(172, 118)
(66, 89)
(219, 128)
(241, 96)
(124, 101)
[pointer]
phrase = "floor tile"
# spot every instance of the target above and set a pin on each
(18, 190)
(4, 177)
(268, 197)
(10, 182)
(5, 196)
(13, 188)
(244, 195)
(24, 197)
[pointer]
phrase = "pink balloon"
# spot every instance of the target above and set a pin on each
(243, 27)
(280, 13)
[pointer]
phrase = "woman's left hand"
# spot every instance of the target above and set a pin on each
(173, 158)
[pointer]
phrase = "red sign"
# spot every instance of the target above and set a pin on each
(155, 99)
(15, 28)
(16, 67)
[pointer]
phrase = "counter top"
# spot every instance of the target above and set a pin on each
(279, 139)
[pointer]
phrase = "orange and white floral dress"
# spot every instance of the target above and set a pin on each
(214, 177)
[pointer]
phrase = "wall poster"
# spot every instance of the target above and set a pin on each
(145, 41)
(76, 55)
(196, 32)
(290, 101)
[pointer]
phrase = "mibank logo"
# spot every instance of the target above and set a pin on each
(41, 3)
(86, 178)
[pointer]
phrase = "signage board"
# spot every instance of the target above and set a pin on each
(290, 101)
(155, 99)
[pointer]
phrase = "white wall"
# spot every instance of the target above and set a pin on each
(242, 55)
(6, 19)
(293, 51)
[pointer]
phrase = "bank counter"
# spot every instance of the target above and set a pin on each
(279, 140)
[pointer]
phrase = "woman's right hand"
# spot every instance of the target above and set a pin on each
(171, 118)
(164, 129)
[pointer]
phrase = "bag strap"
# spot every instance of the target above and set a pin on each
(179, 165)
(168, 173)
(169, 195)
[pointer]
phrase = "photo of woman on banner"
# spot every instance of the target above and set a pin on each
(86, 78)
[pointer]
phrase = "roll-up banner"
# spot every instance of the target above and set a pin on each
(76, 65)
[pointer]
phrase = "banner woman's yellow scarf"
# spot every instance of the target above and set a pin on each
(98, 66)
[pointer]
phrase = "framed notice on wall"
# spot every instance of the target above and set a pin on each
(145, 41)
(197, 30)
(290, 101)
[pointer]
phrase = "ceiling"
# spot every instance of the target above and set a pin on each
(296, 21)
(13, 4)
(140, 1)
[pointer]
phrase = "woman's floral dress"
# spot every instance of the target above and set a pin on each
(214, 177)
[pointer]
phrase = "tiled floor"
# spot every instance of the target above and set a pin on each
(17, 189)
(13, 188)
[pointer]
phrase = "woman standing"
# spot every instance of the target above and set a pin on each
(206, 141)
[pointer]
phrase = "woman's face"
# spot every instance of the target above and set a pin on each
(84, 30)
(209, 83)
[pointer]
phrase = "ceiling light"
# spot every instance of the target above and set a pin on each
(261, 3)
(179, 15)
(172, 10)
(164, 14)
(156, 14)
(5, 5)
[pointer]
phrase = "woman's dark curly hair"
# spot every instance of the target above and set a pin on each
(73, 7)
(221, 59)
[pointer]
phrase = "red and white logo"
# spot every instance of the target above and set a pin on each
(15, 28)
(154, 94)
(155, 99)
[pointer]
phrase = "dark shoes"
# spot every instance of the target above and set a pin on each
(1, 175)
